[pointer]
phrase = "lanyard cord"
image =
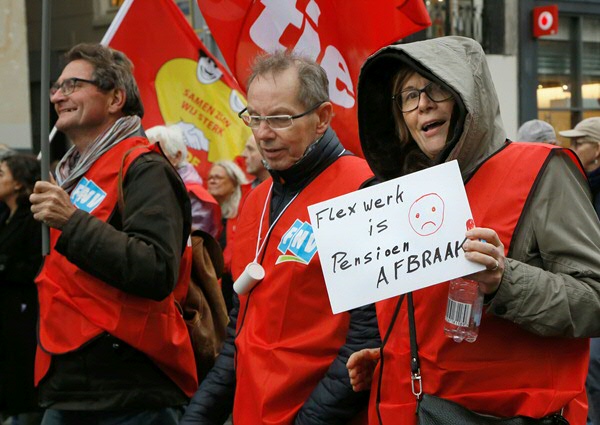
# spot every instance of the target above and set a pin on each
(259, 246)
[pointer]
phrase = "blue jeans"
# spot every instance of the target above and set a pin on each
(167, 416)
(593, 383)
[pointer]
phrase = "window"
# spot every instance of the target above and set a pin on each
(569, 83)
(458, 17)
(105, 11)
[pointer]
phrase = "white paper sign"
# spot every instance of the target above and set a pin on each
(395, 237)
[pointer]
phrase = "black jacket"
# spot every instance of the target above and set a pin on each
(333, 401)
(20, 259)
(137, 251)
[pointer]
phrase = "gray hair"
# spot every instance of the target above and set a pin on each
(229, 208)
(112, 69)
(171, 141)
(313, 83)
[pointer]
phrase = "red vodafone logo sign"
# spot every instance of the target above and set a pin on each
(545, 20)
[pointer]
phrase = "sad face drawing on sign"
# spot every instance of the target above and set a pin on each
(426, 214)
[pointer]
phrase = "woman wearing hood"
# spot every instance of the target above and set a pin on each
(429, 102)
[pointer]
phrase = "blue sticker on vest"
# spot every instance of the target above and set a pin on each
(87, 195)
(298, 244)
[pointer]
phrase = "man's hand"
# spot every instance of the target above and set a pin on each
(361, 366)
(50, 204)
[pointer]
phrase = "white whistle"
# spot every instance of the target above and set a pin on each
(253, 274)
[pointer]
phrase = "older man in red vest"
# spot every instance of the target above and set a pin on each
(285, 360)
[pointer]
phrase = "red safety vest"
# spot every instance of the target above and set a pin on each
(76, 307)
(287, 334)
(508, 371)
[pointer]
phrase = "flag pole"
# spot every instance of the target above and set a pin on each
(45, 110)
(114, 25)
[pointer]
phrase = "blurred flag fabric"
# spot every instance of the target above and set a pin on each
(180, 81)
(339, 34)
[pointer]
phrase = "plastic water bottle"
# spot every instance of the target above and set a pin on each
(463, 311)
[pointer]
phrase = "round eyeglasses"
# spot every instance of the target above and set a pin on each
(275, 122)
(68, 85)
(408, 100)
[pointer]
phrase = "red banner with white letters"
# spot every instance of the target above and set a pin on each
(339, 34)
(180, 81)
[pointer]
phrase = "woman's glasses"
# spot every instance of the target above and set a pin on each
(408, 100)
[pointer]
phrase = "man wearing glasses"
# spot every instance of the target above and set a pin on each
(585, 141)
(284, 360)
(112, 347)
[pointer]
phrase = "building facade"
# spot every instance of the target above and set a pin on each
(555, 78)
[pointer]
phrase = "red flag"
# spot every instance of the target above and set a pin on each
(339, 34)
(180, 81)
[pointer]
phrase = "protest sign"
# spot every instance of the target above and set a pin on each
(395, 237)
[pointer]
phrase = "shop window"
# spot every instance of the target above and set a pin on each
(590, 58)
(569, 83)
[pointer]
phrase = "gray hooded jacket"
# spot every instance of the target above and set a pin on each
(551, 283)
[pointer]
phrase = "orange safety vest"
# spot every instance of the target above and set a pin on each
(507, 371)
(76, 307)
(287, 334)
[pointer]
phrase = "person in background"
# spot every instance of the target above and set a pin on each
(585, 141)
(4, 152)
(112, 345)
(536, 131)
(254, 162)
(290, 349)
(225, 181)
(20, 259)
(430, 102)
(206, 212)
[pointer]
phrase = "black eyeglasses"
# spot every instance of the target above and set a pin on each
(408, 100)
(68, 86)
(275, 122)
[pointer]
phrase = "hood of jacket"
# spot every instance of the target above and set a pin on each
(457, 62)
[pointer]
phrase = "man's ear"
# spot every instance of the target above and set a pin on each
(325, 114)
(117, 101)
